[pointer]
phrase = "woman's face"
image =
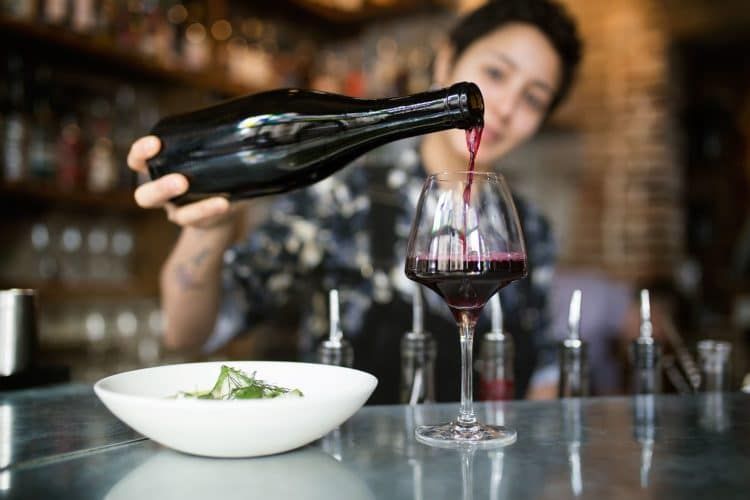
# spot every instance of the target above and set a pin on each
(518, 71)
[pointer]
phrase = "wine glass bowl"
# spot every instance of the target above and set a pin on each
(465, 244)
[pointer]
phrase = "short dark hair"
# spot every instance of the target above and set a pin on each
(546, 15)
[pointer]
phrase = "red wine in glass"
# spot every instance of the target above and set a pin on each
(467, 288)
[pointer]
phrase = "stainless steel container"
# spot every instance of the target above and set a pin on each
(714, 358)
(18, 330)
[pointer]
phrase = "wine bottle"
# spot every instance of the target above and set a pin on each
(281, 140)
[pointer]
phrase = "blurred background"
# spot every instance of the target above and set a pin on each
(644, 172)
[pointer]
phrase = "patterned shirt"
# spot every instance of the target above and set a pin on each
(349, 232)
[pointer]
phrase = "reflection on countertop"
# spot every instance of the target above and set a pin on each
(308, 473)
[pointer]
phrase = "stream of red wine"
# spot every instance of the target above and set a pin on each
(473, 139)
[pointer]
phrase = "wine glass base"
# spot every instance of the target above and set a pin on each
(452, 435)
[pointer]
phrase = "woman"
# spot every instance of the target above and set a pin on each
(522, 54)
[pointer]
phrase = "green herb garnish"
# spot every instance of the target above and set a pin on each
(236, 384)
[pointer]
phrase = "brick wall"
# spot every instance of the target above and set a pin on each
(609, 178)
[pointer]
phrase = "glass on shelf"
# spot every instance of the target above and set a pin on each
(73, 258)
(121, 248)
(126, 332)
(45, 265)
(98, 331)
(149, 339)
(97, 243)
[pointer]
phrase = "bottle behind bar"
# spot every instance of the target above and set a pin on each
(281, 140)
(335, 350)
(418, 357)
(645, 354)
(574, 376)
(496, 359)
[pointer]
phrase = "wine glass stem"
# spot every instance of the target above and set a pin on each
(466, 417)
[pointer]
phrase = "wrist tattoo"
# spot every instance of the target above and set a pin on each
(186, 272)
(200, 256)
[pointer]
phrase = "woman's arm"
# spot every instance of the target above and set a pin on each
(190, 277)
(191, 285)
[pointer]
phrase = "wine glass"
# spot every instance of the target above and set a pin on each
(465, 244)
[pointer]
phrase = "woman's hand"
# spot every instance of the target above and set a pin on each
(203, 214)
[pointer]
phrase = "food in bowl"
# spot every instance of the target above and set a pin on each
(233, 383)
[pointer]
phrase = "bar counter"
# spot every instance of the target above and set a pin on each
(61, 442)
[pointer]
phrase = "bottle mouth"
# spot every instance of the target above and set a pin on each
(469, 101)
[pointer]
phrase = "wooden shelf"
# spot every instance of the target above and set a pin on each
(368, 13)
(40, 194)
(55, 291)
(100, 50)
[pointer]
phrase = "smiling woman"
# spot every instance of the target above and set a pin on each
(522, 54)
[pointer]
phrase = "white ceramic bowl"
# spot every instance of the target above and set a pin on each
(238, 428)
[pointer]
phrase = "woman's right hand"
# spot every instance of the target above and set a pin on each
(204, 214)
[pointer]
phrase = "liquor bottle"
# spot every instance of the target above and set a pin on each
(281, 140)
(16, 127)
(102, 174)
(42, 138)
(70, 156)
(574, 377)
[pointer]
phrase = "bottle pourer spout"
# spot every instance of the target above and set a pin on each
(497, 314)
(574, 316)
(647, 328)
(334, 334)
(417, 315)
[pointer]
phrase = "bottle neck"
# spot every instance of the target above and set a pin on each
(458, 106)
